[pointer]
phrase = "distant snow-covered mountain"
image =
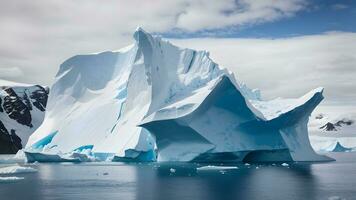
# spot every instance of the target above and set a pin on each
(22, 109)
(337, 126)
(333, 128)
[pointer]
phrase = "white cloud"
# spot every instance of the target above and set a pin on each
(339, 6)
(291, 66)
(38, 35)
(10, 72)
(202, 15)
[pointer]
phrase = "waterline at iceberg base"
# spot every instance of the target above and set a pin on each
(153, 101)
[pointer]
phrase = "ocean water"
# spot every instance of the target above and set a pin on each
(180, 181)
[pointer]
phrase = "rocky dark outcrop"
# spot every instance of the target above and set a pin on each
(18, 104)
(1, 110)
(344, 122)
(333, 126)
(319, 116)
(16, 109)
(329, 127)
(9, 142)
(39, 98)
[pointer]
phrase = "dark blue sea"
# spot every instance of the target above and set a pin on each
(181, 181)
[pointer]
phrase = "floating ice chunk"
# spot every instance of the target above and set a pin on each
(10, 179)
(247, 164)
(211, 167)
(20, 155)
(285, 164)
(16, 170)
(9, 161)
(172, 170)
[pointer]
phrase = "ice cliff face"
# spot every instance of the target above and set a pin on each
(153, 100)
(22, 110)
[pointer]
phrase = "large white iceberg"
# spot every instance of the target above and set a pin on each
(155, 101)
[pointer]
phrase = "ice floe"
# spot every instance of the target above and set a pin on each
(16, 169)
(10, 179)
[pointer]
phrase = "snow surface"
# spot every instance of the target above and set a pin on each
(274, 108)
(153, 96)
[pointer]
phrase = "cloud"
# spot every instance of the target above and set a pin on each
(289, 67)
(38, 35)
(10, 72)
(202, 15)
(339, 6)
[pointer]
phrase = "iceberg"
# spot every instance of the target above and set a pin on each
(339, 148)
(154, 101)
(333, 144)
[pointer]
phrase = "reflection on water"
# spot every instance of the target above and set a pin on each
(159, 181)
(244, 183)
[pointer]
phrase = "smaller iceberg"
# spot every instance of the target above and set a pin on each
(339, 148)
(40, 152)
(333, 144)
(10, 159)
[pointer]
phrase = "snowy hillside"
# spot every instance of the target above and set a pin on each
(153, 100)
(22, 108)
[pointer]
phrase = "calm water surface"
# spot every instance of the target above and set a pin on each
(159, 181)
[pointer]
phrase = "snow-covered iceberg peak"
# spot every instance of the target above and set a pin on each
(154, 97)
(99, 99)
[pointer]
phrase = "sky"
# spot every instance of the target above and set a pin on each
(283, 47)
